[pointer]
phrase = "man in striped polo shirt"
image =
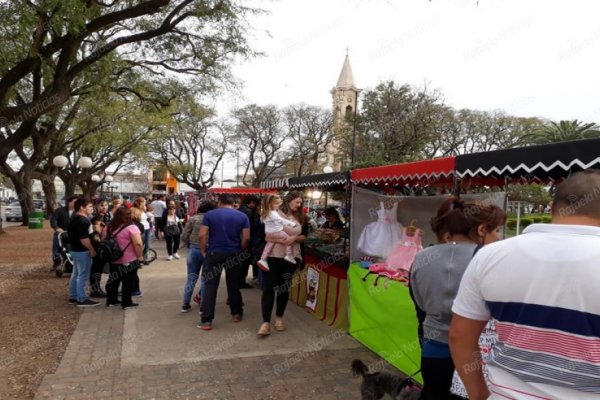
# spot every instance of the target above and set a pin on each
(542, 289)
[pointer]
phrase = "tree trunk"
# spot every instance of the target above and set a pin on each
(70, 184)
(22, 183)
(49, 193)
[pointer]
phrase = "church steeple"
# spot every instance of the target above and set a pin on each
(345, 102)
(346, 79)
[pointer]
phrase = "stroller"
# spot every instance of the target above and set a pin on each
(66, 262)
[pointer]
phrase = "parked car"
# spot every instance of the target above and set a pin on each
(13, 212)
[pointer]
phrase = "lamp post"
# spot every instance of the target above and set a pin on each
(327, 170)
(82, 163)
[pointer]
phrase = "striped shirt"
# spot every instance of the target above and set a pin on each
(542, 291)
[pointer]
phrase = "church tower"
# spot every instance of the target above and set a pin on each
(345, 102)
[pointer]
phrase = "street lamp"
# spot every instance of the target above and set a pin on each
(327, 169)
(62, 162)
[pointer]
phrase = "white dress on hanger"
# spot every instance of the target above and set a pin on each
(378, 238)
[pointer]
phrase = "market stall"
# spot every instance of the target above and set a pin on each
(321, 287)
(382, 315)
(541, 163)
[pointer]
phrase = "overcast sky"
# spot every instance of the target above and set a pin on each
(527, 57)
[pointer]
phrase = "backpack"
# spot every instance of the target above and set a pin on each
(108, 249)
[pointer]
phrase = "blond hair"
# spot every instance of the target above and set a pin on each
(267, 204)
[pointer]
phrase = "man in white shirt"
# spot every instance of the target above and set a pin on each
(541, 290)
(158, 208)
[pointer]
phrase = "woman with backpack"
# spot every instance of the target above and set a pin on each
(128, 239)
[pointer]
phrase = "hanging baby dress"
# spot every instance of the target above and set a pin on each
(378, 238)
(402, 256)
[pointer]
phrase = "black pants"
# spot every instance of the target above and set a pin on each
(276, 289)
(172, 244)
(437, 378)
(96, 274)
(213, 265)
(120, 274)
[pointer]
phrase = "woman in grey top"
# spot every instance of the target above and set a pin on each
(189, 237)
(435, 277)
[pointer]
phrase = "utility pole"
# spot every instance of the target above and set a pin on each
(237, 167)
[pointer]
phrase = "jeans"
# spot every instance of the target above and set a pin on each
(211, 273)
(82, 264)
(172, 244)
(194, 265)
(121, 274)
(147, 239)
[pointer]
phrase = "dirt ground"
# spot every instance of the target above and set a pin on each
(36, 321)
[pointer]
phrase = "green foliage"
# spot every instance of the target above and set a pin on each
(547, 219)
(511, 223)
(562, 131)
(536, 220)
(531, 192)
(524, 222)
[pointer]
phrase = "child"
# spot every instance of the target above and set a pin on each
(274, 224)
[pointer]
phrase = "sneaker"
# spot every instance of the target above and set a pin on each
(205, 326)
(169, 258)
(113, 303)
(137, 294)
(130, 306)
(186, 308)
(197, 299)
(289, 258)
(72, 302)
(265, 329)
(262, 264)
(177, 257)
(88, 303)
(99, 294)
(236, 317)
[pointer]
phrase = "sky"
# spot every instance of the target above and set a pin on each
(526, 57)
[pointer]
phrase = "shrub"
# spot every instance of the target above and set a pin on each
(536, 219)
(511, 223)
(525, 222)
(546, 219)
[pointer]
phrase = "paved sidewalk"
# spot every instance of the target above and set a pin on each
(156, 352)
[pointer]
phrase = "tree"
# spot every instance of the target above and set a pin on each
(259, 130)
(309, 129)
(52, 43)
(192, 145)
(562, 131)
(394, 124)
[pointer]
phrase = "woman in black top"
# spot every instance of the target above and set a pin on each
(333, 220)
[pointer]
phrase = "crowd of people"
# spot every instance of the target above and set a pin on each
(547, 338)
(226, 235)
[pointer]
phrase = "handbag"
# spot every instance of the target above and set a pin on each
(172, 230)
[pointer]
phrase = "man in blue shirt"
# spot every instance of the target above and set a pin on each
(228, 234)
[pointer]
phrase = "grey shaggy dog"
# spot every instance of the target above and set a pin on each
(376, 385)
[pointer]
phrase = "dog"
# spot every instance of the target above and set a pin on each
(376, 385)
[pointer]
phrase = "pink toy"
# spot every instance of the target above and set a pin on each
(402, 256)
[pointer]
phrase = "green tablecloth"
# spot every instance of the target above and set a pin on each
(383, 319)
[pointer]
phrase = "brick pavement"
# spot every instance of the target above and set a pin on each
(101, 363)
